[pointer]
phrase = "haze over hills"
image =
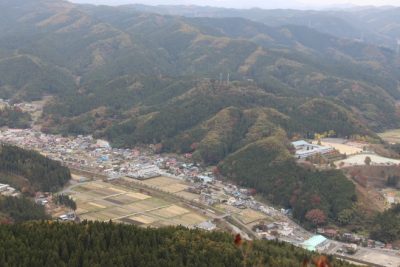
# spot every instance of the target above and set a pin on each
(376, 25)
(223, 88)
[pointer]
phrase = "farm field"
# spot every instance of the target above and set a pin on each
(391, 136)
(103, 201)
(358, 160)
(169, 185)
(248, 216)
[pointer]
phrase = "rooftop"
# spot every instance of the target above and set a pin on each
(312, 243)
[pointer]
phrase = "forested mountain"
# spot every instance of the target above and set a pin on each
(107, 244)
(267, 166)
(108, 64)
(221, 88)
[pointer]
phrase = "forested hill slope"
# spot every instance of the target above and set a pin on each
(29, 171)
(113, 61)
(213, 87)
(107, 244)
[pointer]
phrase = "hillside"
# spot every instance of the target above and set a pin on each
(267, 166)
(29, 171)
(126, 57)
(219, 88)
(107, 244)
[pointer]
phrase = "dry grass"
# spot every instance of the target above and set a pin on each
(189, 219)
(161, 181)
(170, 212)
(174, 188)
(248, 216)
(187, 195)
(145, 219)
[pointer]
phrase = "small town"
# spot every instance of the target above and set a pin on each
(107, 180)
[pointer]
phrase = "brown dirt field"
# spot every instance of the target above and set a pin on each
(343, 148)
(139, 196)
(188, 195)
(174, 188)
(161, 181)
(144, 219)
(189, 219)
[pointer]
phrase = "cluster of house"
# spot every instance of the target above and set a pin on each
(352, 240)
(232, 195)
(273, 230)
(87, 153)
(305, 149)
(7, 190)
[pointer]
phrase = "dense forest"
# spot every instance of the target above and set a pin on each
(41, 173)
(107, 244)
(66, 201)
(16, 210)
(14, 118)
(386, 225)
(269, 167)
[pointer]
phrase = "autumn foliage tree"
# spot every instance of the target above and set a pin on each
(316, 217)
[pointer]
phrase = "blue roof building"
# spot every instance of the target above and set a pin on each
(314, 243)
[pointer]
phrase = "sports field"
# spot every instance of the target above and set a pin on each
(359, 160)
(343, 148)
(391, 136)
(102, 201)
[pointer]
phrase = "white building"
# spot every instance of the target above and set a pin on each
(208, 226)
(3, 187)
(305, 149)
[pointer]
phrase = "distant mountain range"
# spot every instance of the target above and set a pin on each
(219, 3)
(379, 26)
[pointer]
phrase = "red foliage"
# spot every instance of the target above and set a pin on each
(238, 240)
(316, 216)
(321, 261)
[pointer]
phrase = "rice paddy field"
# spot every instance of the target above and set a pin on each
(101, 201)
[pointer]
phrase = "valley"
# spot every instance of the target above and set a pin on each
(264, 124)
(169, 199)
